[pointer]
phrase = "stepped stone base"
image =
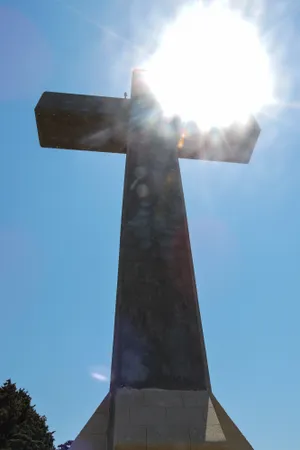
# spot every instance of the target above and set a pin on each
(154, 419)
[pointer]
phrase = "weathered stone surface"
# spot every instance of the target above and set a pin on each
(158, 340)
(147, 415)
(195, 398)
(168, 437)
(197, 435)
(182, 415)
(161, 397)
(130, 437)
(129, 397)
(214, 433)
(177, 426)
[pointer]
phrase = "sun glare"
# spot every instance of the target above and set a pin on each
(211, 67)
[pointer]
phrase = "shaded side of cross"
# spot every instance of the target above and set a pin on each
(158, 337)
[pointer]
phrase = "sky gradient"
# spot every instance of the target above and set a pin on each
(60, 221)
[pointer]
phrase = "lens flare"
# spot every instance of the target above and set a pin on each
(211, 67)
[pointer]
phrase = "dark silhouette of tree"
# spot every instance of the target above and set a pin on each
(21, 427)
(65, 446)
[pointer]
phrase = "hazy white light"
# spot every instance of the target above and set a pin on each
(211, 67)
(100, 373)
(99, 376)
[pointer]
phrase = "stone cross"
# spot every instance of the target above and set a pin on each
(160, 392)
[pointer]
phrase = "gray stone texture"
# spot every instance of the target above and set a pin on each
(169, 418)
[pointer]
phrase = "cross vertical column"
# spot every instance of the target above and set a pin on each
(160, 382)
(158, 337)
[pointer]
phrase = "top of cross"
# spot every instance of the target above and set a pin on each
(86, 122)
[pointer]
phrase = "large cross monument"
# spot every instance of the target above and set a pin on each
(160, 394)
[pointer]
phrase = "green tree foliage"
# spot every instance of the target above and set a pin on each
(65, 446)
(21, 427)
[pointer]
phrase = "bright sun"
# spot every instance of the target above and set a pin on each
(211, 67)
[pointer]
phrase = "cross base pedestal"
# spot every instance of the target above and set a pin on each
(154, 419)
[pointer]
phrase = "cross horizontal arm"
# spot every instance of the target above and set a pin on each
(234, 144)
(87, 122)
(82, 122)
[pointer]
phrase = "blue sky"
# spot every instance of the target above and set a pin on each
(60, 222)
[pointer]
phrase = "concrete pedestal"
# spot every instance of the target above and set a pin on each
(155, 419)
